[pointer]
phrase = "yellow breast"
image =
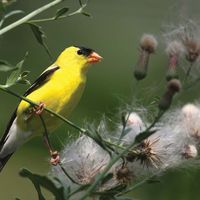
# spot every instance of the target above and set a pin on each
(61, 94)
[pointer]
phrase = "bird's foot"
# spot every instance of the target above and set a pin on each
(39, 109)
(55, 158)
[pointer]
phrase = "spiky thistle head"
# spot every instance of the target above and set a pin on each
(145, 153)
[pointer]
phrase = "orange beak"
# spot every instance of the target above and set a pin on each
(94, 58)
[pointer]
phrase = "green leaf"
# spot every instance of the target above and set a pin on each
(80, 2)
(6, 66)
(23, 78)
(14, 12)
(45, 182)
(14, 76)
(86, 14)
(39, 35)
(61, 12)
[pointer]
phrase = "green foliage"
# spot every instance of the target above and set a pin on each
(60, 13)
(16, 76)
(39, 35)
(5, 66)
(46, 182)
(10, 14)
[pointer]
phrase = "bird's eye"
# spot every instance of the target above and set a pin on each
(79, 52)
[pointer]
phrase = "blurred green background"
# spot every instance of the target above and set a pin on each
(114, 32)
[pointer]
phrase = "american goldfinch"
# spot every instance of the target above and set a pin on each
(59, 88)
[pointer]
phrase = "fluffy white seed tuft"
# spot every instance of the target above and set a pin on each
(175, 48)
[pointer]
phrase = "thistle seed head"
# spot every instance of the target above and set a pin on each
(190, 151)
(190, 110)
(174, 48)
(134, 119)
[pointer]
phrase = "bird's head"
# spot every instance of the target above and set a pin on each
(79, 57)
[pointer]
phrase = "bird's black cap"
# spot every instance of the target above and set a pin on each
(84, 51)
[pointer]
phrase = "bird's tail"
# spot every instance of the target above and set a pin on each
(11, 140)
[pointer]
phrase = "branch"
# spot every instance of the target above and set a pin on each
(29, 16)
(76, 12)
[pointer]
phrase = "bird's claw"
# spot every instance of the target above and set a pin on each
(55, 158)
(39, 109)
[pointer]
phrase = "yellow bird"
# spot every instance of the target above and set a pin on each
(59, 88)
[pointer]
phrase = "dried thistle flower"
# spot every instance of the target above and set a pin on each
(148, 45)
(173, 87)
(145, 153)
(174, 50)
(190, 151)
(123, 174)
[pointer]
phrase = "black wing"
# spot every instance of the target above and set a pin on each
(41, 80)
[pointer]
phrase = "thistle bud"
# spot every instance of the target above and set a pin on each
(148, 45)
(173, 87)
(173, 50)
